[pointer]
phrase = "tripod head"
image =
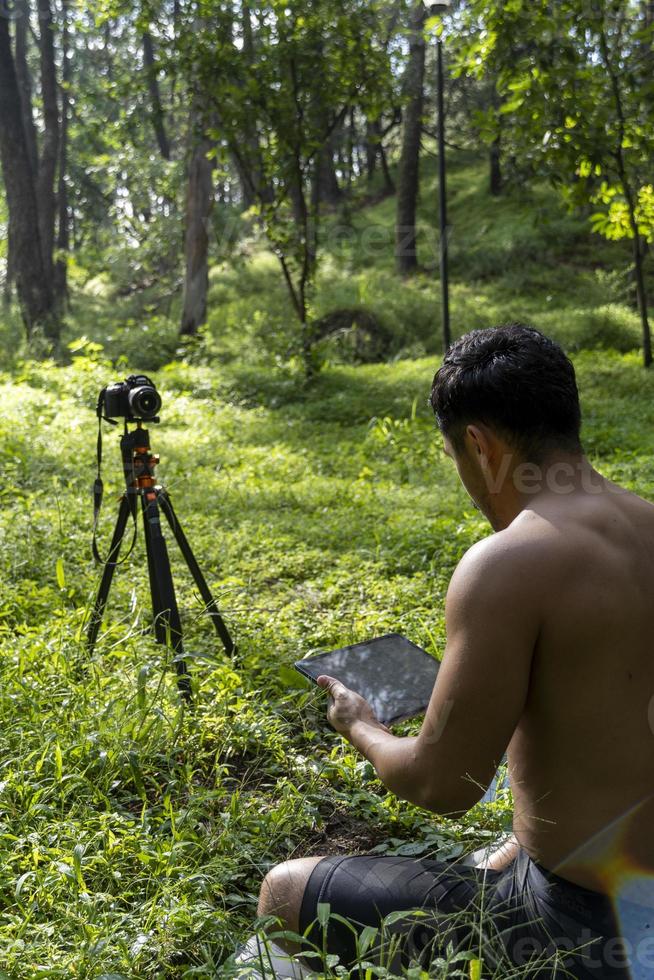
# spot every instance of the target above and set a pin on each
(138, 461)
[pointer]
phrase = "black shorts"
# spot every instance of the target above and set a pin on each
(524, 916)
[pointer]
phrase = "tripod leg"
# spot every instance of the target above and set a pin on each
(108, 573)
(168, 626)
(194, 568)
(157, 607)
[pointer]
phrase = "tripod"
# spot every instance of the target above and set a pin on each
(138, 466)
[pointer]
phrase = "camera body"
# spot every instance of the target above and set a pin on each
(136, 398)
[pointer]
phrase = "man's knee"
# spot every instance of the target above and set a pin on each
(283, 888)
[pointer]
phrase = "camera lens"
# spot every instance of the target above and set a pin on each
(144, 402)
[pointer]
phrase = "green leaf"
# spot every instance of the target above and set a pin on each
(475, 969)
(137, 774)
(365, 940)
(78, 853)
(322, 913)
(412, 849)
(61, 578)
(58, 762)
(21, 881)
(141, 682)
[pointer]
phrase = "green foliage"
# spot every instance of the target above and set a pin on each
(134, 833)
(615, 222)
(279, 97)
(574, 99)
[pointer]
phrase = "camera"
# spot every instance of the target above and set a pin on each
(132, 399)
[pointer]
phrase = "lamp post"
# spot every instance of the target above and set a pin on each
(441, 8)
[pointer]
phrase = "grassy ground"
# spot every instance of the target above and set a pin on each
(134, 832)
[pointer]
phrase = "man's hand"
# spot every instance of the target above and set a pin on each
(347, 708)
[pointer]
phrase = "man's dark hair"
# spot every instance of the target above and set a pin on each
(514, 379)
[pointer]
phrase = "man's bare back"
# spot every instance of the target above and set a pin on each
(581, 760)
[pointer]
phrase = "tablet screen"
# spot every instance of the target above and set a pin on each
(393, 674)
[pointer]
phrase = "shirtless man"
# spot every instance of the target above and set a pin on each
(550, 657)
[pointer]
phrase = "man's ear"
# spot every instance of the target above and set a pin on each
(479, 442)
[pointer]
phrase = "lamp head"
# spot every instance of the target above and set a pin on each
(440, 7)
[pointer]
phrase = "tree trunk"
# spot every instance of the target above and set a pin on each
(250, 166)
(351, 140)
(646, 43)
(107, 51)
(25, 82)
(33, 288)
(495, 149)
(156, 109)
(60, 280)
(371, 149)
(630, 198)
(374, 151)
(9, 273)
(495, 167)
(24, 78)
(641, 295)
(248, 195)
(199, 203)
(406, 256)
(295, 190)
(389, 186)
(330, 191)
(45, 183)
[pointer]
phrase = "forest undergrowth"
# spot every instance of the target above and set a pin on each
(134, 829)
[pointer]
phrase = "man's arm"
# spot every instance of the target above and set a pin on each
(492, 621)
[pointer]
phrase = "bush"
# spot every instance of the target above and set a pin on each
(608, 327)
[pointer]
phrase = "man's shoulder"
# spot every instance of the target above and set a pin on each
(507, 564)
(515, 565)
(524, 543)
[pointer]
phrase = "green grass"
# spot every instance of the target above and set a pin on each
(134, 832)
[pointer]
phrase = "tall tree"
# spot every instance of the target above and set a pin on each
(156, 107)
(252, 157)
(375, 151)
(22, 33)
(406, 254)
(578, 107)
(313, 60)
(329, 188)
(25, 79)
(60, 280)
(34, 288)
(495, 149)
(197, 214)
(45, 183)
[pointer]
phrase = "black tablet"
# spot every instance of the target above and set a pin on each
(393, 674)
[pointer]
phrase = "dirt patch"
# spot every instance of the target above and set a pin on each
(343, 834)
